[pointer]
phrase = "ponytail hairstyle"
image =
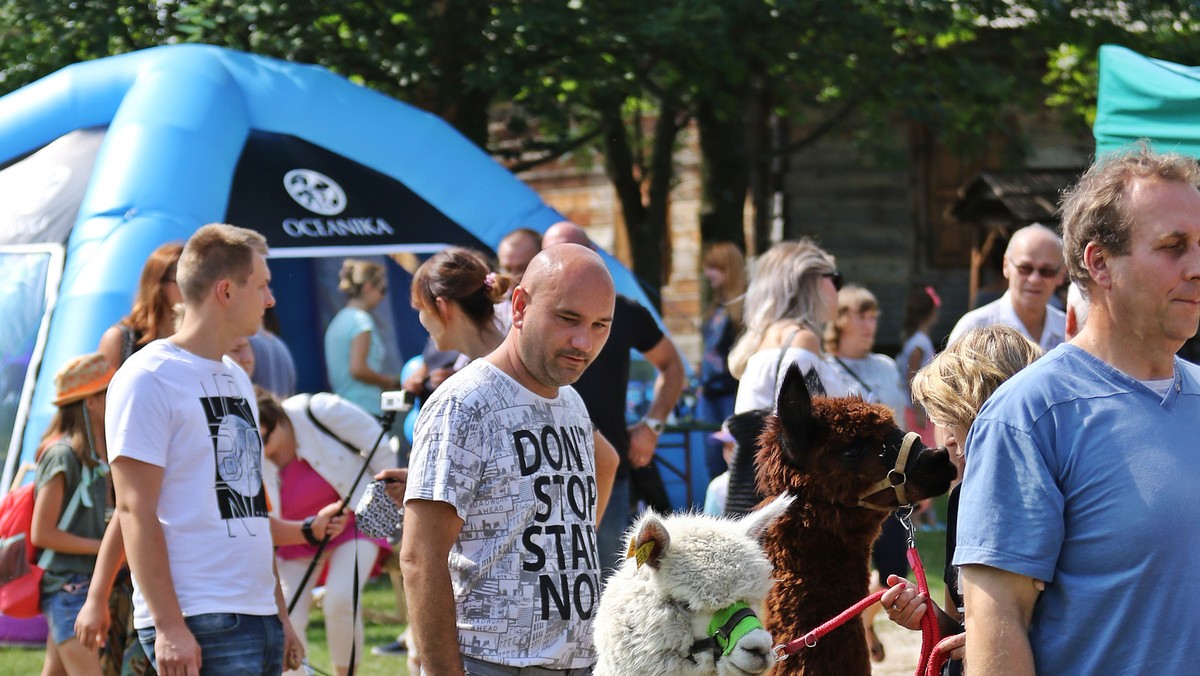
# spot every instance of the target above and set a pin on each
(356, 274)
(461, 276)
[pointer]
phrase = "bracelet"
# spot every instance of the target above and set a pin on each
(654, 424)
(307, 531)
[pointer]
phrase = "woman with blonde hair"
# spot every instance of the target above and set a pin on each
(952, 388)
(792, 294)
(354, 352)
(153, 313)
(849, 339)
(725, 271)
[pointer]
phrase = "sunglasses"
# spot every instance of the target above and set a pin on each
(836, 277)
(1025, 269)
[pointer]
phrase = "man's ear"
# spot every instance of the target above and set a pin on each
(223, 290)
(1095, 259)
(520, 303)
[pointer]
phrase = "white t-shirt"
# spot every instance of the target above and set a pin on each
(1001, 311)
(759, 384)
(197, 419)
(519, 470)
(880, 380)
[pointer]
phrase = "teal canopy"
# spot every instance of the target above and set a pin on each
(1140, 97)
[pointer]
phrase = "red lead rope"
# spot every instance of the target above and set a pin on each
(931, 662)
(931, 633)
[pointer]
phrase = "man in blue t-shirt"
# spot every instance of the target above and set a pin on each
(1079, 513)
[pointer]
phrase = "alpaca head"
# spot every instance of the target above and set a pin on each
(683, 602)
(839, 450)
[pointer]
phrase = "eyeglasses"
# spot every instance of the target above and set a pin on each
(836, 277)
(1025, 269)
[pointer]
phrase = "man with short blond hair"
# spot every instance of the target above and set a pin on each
(187, 469)
(1079, 502)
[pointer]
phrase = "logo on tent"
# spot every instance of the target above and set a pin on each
(315, 191)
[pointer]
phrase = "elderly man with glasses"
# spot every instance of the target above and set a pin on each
(1033, 266)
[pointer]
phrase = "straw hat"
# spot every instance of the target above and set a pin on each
(81, 377)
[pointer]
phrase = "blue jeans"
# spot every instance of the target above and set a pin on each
(610, 533)
(231, 644)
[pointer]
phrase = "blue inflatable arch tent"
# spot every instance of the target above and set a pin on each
(103, 161)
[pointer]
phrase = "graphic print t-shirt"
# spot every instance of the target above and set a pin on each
(197, 419)
(518, 468)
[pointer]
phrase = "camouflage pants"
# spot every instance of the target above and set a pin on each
(123, 655)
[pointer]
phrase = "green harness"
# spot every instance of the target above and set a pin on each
(728, 626)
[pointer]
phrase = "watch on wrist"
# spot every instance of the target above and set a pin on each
(654, 424)
(307, 531)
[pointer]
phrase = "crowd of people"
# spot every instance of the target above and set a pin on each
(1068, 425)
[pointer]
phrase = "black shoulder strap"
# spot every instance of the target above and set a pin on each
(783, 348)
(326, 430)
(127, 340)
(852, 373)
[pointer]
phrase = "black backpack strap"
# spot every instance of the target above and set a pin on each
(326, 430)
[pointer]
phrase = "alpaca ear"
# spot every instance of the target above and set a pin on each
(794, 410)
(650, 543)
(758, 522)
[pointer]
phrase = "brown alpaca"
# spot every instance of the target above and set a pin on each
(827, 452)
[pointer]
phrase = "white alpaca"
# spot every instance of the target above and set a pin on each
(681, 585)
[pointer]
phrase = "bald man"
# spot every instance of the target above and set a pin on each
(516, 250)
(1033, 266)
(505, 474)
(603, 389)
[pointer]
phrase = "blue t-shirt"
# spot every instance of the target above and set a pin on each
(346, 325)
(1081, 476)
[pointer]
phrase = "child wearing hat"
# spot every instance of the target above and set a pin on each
(70, 504)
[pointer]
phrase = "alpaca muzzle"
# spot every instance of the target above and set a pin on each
(895, 478)
(728, 626)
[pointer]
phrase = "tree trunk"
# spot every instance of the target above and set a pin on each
(643, 191)
(446, 95)
(724, 174)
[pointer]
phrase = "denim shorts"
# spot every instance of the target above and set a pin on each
(62, 607)
(231, 644)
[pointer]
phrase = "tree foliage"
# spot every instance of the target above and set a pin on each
(536, 80)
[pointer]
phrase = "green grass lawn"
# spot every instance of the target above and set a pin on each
(378, 602)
